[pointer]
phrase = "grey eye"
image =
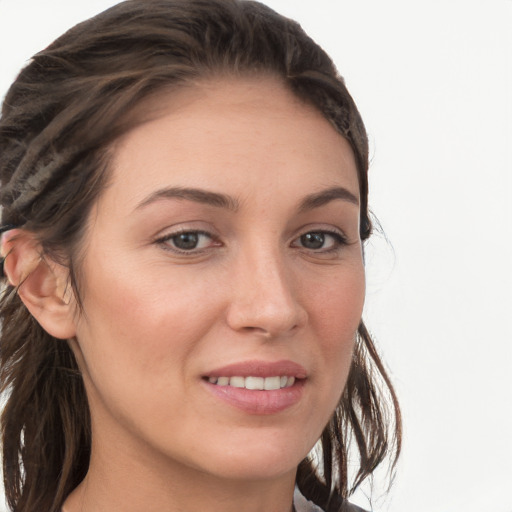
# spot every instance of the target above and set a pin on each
(186, 241)
(320, 241)
(313, 240)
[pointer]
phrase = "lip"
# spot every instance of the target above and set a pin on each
(259, 402)
(256, 368)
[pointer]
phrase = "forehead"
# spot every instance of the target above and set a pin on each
(229, 133)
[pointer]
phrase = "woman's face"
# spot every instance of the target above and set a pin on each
(225, 252)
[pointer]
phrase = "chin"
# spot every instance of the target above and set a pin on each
(244, 469)
(268, 457)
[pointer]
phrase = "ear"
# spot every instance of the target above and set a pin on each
(42, 283)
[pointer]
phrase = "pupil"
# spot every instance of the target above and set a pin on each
(186, 240)
(313, 240)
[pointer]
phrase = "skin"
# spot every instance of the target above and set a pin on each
(156, 321)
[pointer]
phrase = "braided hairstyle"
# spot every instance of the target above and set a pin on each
(58, 122)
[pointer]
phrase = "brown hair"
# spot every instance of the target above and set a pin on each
(58, 121)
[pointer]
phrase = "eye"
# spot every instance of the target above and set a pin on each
(187, 241)
(321, 241)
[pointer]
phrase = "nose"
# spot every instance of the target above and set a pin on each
(264, 299)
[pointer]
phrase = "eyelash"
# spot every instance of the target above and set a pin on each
(340, 241)
(164, 241)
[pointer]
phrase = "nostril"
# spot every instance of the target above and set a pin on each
(256, 330)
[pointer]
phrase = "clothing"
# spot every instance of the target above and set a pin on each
(301, 504)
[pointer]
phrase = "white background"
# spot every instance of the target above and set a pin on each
(433, 80)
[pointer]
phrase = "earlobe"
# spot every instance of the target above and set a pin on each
(42, 284)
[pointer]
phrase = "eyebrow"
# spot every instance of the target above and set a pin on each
(192, 194)
(323, 197)
(315, 200)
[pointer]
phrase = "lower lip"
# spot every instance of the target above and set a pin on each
(256, 401)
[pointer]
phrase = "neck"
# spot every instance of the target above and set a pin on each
(133, 480)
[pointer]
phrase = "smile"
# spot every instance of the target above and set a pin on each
(257, 386)
(254, 383)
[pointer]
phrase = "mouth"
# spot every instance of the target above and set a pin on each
(254, 383)
(258, 387)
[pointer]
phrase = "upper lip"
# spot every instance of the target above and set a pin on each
(257, 368)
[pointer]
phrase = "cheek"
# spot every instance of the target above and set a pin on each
(335, 314)
(144, 327)
(336, 307)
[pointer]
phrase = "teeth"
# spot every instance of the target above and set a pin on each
(237, 382)
(254, 383)
(272, 383)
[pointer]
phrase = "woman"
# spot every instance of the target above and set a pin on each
(184, 202)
